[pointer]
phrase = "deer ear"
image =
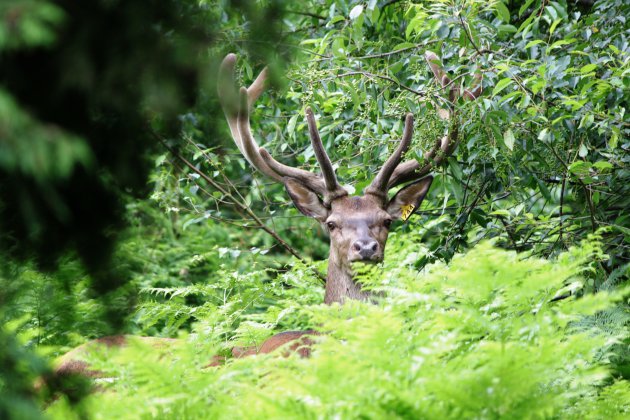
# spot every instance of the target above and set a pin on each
(408, 199)
(306, 200)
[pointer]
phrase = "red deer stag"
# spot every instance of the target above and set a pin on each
(358, 225)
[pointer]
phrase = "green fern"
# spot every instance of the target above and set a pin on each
(479, 338)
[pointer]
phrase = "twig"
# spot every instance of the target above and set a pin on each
(587, 193)
(564, 184)
(468, 34)
(313, 15)
(378, 76)
(509, 232)
(380, 55)
(398, 51)
(240, 205)
(469, 210)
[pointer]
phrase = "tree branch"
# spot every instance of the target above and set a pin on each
(587, 193)
(378, 76)
(242, 206)
(468, 34)
(313, 15)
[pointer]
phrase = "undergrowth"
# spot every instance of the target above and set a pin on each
(494, 334)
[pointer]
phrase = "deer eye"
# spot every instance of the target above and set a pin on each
(331, 226)
(387, 223)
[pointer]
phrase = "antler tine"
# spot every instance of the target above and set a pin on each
(236, 109)
(257, 88)
(311, 180)
(411, 170)
(228, 96)
(236, 104)
(248, 146)
(379, 185)
(444, 147)
(333, 189)
(438, 71)
(325, 185)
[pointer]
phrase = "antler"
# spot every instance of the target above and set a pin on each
(236, 105)
(379, 187)
(394, 173)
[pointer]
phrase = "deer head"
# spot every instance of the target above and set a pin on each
(358, 225)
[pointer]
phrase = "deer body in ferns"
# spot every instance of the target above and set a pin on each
(358, 225)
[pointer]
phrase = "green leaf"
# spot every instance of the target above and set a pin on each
(508, 139)
(396, 67)
(515, 94)
(291, 125)
(614, 138)
(622, 229)
(602, 165)
(508, 29)
(248, 70)
(160, 160)
(524, 7)
(533, 43)
(560, 43)
(552, 12)
(457, 171)
(543, 134)
(575, 105)
(554, 25)
(356, 12)
(502, 12)
(580, 168)
(403, 45)
(502, 84)
(588, 68)
(526, 23)
(583, 150)
(500, 212)
(586, 121)
(336, 19)
(542, 187)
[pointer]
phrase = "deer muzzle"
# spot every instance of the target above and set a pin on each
(367, 250)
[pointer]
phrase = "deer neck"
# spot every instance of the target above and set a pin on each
(340, 284)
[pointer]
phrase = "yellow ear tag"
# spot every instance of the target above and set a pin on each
(406, 210)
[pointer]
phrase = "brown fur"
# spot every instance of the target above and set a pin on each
(301, 343)
(302, 346)
(356, 218)
(71, 363)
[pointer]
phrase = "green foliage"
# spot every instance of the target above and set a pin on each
(528, 327)
(20, 368)
(542, 160)
(480, 338)
(80, 84)
(49, 155)
(29, 24)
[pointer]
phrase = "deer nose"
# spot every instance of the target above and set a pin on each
(366, 248)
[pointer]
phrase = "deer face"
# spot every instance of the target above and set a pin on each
(358, 225)
(358, 229)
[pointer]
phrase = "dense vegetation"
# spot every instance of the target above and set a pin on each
(505, 296)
